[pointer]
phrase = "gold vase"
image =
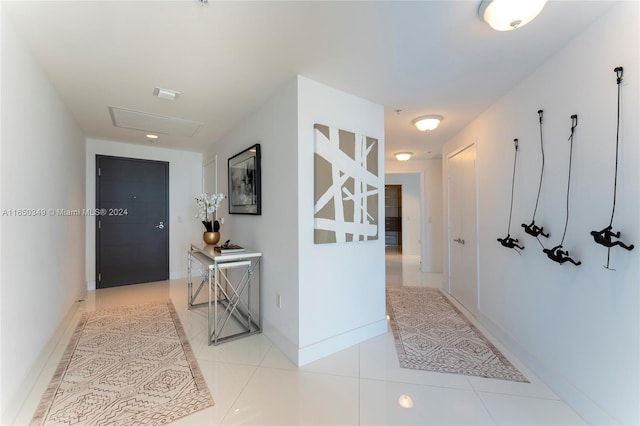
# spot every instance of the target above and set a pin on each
(211, 237)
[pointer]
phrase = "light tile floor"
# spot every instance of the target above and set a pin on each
(253, 383)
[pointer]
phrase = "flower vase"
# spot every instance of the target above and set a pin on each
(211, 237)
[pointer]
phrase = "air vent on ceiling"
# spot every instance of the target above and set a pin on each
(168, 94)
(147, 122)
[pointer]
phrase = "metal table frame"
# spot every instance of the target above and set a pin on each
(225, 292)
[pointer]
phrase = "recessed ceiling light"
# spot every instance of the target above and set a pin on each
(152, 137)
(427, 122)
(168, 94)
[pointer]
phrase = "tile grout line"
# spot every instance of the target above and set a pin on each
(224, 417)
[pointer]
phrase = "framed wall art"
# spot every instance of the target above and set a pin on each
(244, 182)
(347, 186)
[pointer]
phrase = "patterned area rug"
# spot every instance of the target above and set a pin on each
(130, 365)
(432, 334)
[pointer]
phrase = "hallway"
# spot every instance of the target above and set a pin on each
(252, 382)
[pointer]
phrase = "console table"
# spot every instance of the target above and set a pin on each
(233, 291)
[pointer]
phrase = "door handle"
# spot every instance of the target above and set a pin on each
(459, 241)
(160, 226)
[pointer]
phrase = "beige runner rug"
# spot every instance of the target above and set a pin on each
(130, 365)
(432, 334)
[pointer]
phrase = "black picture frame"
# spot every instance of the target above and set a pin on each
(244, 181)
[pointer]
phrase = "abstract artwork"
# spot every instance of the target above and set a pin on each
(347, 186)
(244, 182)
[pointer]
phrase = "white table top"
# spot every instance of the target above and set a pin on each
(209, 251)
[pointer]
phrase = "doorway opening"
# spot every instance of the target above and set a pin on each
(393, 218)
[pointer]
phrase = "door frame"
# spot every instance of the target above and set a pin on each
(474, 147)
(97, 217)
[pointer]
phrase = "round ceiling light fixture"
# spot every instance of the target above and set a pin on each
(427, 122)
(405, 401)
(507, 15)
(403, 156)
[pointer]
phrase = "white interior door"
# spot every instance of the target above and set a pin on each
(462, 227)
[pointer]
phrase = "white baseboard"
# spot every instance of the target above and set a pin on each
(177, 275)
(91, 285)
(315, 351)
(334, 344)
(286, 346)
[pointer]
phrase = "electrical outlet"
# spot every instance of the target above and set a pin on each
(278, 301)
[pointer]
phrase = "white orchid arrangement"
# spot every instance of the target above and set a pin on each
(208, 206)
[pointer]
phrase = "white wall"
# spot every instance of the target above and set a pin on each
(430, 172)
(42, 256)
(341, 285)
(185, 183)
(411, 210)
(274, 232)
(577, 327)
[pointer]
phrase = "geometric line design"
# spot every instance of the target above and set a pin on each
(432, 334)
(130, 365)
(346, 186)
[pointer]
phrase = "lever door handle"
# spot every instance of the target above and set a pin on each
(160, 226)
(459, 241)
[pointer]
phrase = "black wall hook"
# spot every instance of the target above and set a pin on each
(619, 71)
(574, 124)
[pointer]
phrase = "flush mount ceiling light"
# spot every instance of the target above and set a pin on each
(152, 137)
(403, 156)
(168, 94)
(507, 15)
(427, 122)
(405, 401)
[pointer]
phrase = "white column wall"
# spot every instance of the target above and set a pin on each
(341, 286)
(577, 327)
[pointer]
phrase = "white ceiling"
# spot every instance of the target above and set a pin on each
(226, 58)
